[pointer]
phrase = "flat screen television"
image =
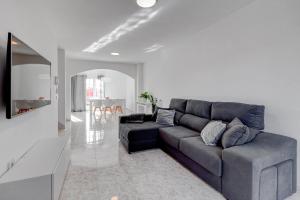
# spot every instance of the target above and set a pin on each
(28, 78)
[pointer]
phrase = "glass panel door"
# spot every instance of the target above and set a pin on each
(94, 90)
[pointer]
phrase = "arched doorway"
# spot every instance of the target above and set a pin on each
(111, 84)
(133, 72)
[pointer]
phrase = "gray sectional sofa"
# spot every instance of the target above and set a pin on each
(264, 169)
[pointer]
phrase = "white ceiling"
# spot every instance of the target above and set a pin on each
(79, 23)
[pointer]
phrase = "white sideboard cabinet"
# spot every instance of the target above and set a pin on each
(40, 173)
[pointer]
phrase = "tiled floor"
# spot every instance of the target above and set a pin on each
(102, 170)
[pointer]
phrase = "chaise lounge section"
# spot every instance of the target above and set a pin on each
(264, 169)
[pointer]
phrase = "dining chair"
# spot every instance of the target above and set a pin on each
(107, 106)
(118, 106)
(97, 105)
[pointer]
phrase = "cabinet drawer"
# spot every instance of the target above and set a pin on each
(59, 173)
(29, 189)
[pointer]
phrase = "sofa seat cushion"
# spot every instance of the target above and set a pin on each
(172, 135)
(138, 131)
(209, 157)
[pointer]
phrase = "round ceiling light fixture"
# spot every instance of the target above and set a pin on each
(146, 3)
(115, 54)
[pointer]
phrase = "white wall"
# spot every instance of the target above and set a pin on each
(130, 93)
(251, 56)
(61, 62)
(75, 66)
(16, 135)
(115, 84)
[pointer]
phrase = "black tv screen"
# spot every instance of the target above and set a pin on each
(29, 78)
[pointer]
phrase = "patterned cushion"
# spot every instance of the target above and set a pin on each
(212, 132)
(154, 115)
(237, 134)
(165, 117)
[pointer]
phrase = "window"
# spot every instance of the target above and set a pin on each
(95, 89)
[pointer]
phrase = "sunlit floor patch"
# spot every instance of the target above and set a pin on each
(75, 119)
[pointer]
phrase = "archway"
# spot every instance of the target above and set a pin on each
(106, 83)
(116, 85)
(74, 67)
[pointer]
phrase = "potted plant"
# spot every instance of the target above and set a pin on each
(149, 97)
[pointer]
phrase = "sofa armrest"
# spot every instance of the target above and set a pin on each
(250, 170)
(124, 119)
(148, 118)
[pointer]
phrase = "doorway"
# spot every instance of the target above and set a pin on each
(108, 91)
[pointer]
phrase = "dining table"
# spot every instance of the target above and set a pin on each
(104, 102)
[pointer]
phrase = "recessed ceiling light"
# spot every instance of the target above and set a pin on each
(146, 3)
(115, 54)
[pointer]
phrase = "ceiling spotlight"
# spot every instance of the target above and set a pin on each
(114, 54)
(146, 3)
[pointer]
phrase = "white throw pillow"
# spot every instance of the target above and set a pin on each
(212, 132)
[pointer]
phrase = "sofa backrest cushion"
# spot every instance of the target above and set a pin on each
(193, 122)
(198, 108)
(251, 115)
(178, 116)
(178, 104)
